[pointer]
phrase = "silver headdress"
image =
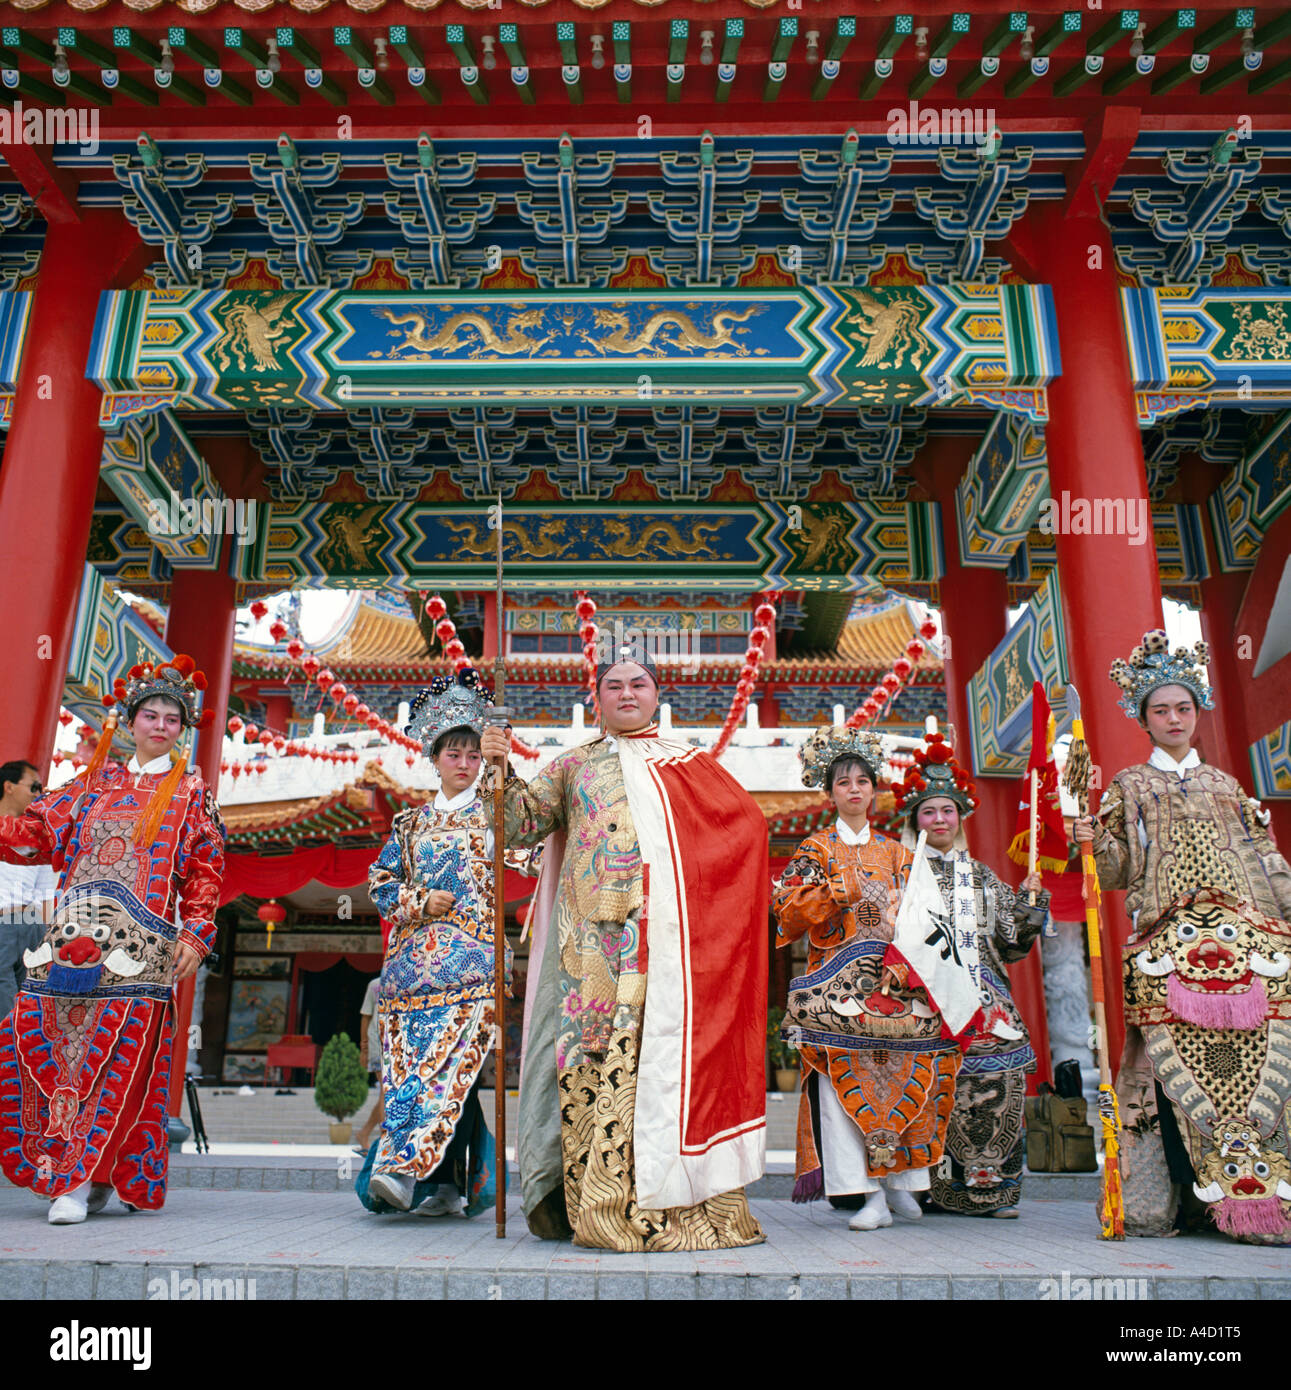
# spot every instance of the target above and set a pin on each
(839, 741)
(1151, 666)
(445, 705)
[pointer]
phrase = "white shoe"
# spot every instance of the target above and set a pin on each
(99, 1194)
(446, 1202)
(70, 1208)
(393, 1188)
(872, 1215)
(905, 1204)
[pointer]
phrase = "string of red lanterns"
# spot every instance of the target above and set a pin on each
(764, 616)
(585, 617)
(883, 694)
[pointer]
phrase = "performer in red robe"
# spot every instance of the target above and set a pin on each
(85, 1054)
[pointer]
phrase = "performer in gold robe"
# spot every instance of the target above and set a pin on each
(1208, 1024)
(642, 1087)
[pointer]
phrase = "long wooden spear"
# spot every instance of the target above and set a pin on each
(501, 716)
(1076, 780)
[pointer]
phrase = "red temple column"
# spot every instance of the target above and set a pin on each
(203, 610)
(975, 613)
(1266, 698)
(1111, 590)
(49, 477)
(277, 712)
(490, 638)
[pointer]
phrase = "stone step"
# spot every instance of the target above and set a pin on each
(323, 1245)
(332, 1173)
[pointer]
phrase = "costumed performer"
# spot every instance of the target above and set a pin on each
(1205, 1078)
(981, 1171)
(85, 1054)
(642, 1086)
(879, 1077)
(433, 882)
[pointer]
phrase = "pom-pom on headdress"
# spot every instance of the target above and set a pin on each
(177, 679)
(445, 705)
(935, 773)
(1151, 666)
(836, 741)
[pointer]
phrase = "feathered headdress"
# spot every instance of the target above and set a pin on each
(445, 705)
(835, 741)
(1151, 666)
(935, 773)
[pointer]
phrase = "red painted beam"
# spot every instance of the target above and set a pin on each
(52, 189)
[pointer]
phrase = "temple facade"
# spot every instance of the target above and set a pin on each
(717, 300)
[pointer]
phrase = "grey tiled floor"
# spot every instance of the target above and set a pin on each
(321, 1244)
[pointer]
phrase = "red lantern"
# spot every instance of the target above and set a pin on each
(259, 769)
(266, 738)
(589, 652)
(326, 679)
(764, 615)
(752, 656)
(77, 760)
(446, 630)
(361, 712)
(272, 914)
(586, 609)
(914, 649)
(64, 718)
(295, 649)
(235, 724)
(224, 766)
(258, 609)
(338, 691)
(351, 703)
(436, 608)
(314, 754)
(758, 638)
(891, 683)
(902, 667)
(277, 629)
(252, 731)
(410, 760)
(279, 744)
(58, 758)
(236, 770)
(927, 629)
(454, 649)
(588, 633)
(310, 665)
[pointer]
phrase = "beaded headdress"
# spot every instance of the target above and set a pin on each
(445, 705)
(935, 773)
(835, 741)
(1151, 666)
(177, 679)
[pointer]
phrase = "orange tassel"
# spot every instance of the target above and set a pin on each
(146, 827)
(102, 749)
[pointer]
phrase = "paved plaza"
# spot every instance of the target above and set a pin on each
(292, 1224)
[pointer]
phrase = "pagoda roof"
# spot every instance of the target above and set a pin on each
(375, 636)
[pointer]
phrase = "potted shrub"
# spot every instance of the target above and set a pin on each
(340, 1086)
(784, 1058)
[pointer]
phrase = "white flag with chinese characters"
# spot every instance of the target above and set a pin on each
(925, 940)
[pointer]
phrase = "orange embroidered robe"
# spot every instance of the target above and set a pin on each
(890, 1069)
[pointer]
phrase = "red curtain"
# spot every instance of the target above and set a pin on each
(273, 876)
(264, 876)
